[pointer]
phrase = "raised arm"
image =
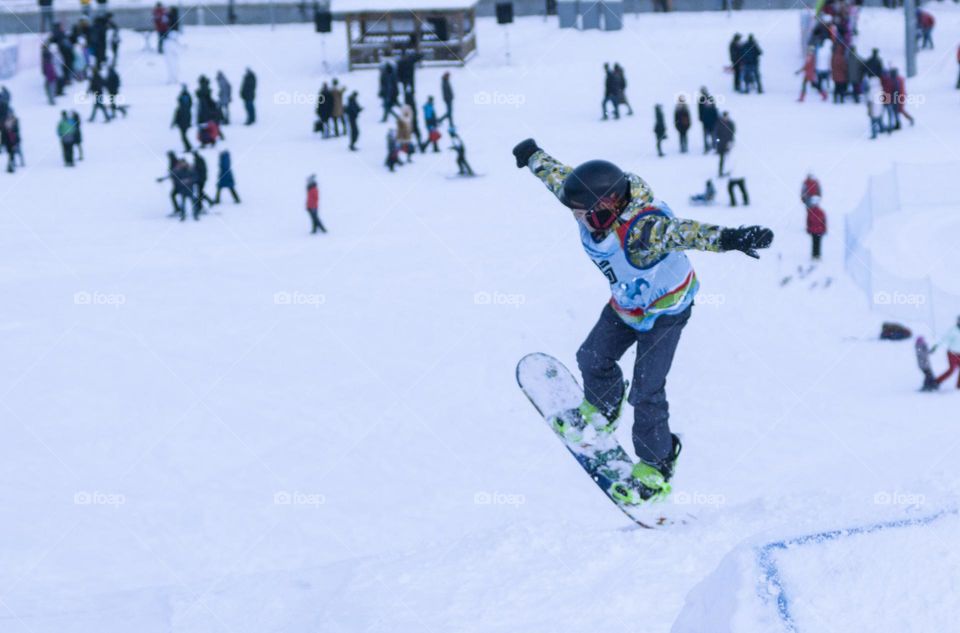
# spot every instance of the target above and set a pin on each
(655, 236)
(549, 170)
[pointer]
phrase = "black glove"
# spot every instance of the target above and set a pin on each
(524, 150)
(746, 239)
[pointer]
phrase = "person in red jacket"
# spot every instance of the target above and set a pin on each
(901, 95)
(313, 204)
(809, 71)
(810, 188)
(161, 23)
(816, 225)
(925, 24)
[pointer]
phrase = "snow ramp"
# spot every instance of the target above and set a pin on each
(893, 575)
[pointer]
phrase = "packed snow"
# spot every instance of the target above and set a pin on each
(233, 425)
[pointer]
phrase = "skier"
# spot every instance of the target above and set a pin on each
(816, 226)
(313, 204)
(638, 244)
(225, 178)
(950, 340)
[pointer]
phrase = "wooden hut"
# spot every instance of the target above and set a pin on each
(444, 32)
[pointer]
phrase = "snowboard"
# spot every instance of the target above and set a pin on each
(553, 390)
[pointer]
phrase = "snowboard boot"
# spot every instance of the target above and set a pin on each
(649, 482)
(572, 423)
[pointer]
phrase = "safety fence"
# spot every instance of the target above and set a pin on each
(920, 195)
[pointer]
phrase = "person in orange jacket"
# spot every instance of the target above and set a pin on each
(809, 71)
(313, 204)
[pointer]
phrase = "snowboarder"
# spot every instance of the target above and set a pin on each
(950, 340)
(313, 205)
(637, 243)
(225, 178)
(248, 92)
(463, 167)
(816, 226)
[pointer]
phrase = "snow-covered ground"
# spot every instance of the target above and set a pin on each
(232, 425)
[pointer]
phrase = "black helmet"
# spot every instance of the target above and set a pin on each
(591, 183)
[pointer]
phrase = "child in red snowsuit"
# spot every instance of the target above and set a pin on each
(313, 204)
(816, 225)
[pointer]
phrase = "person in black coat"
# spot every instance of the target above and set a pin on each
(182, 117)
(112, 85)
(463, 167)
(708, 115)
(406, 71)
(659, 128)
(736, 62)
(324, 110)
(78, 133)
(610, 92)
(207, 109)
(200, 180)
(751, 65)
(725, 132)
(446, 92)
(389, 91)
(248, 92)
(352, 110)
(874, 65)
(98, 89)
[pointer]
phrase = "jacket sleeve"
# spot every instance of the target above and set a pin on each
(652, 238)
(549, 170)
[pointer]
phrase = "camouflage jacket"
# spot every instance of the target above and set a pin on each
(650, 238)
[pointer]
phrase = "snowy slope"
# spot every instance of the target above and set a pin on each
(153, 433)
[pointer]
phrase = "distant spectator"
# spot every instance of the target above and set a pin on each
(248, 92)
(10, 139)
(225, 178)
(839, 73)
(336, 107)
(182, 116)
(610, 92)
(925, 23)
(681, 121)
(708, 115)
(810, 78)
(224, 96)
(736, 62)
(950, 340)
(900, 95)
(67, 133)
(751, 65)
(352, 110)
(875, 110)
(725, 133)
(816, 226)
(446, 92)
(856, 72)
(874, 64)
(49, 71)
(78, 133)
(313, 205)
(659, 128)
(621, 88)
(161, 24)
(809, 189)
(112, 85)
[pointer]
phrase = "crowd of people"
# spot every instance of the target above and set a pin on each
(615, 90)
(188, 181)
